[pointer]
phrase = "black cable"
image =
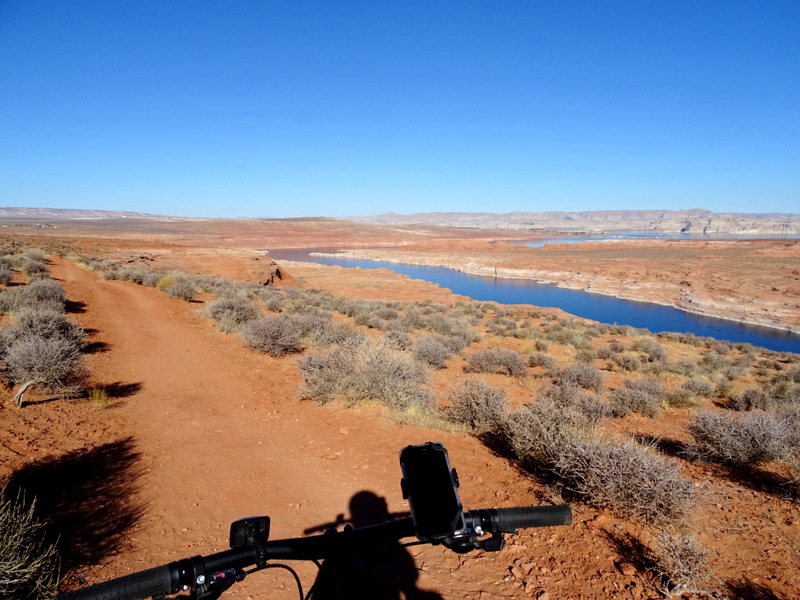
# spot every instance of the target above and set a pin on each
(294, 574)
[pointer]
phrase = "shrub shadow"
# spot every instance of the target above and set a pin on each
(84, 499)
(96, 348)
(670, 447)
(119, 389)
(630, 549)
(75, 307)
(744, 589)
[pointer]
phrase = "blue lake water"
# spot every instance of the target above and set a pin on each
(605, 309)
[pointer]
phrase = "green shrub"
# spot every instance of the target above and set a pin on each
(496, 360)
(28, 565)
(274, 335)
(478, 405)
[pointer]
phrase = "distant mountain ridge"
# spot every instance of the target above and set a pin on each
(15, 213)
(696, 221)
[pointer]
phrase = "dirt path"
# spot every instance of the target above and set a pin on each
(222, 435)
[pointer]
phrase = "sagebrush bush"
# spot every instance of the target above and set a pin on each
(6, 274)
(398, 340)
(55, 363)
(627, 361)
(653, 351)
(431, 350)
(570, 397)
(543, 361)
(373, 371)
(741, 438)
(231, 313)
(496, 360)
(538, 434)
(35, 268)
(28, 565)
(644, 396)
(333, 333)
(697, 386)
(182, 289)
(478, 405)
(274, 335)
(581, 374)
(753, 398)
(626, 478)
(46, 292)
(47, 323)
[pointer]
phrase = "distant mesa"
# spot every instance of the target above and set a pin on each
(692, 221)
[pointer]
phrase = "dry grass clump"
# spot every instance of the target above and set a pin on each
(543, 361)
(478, 405)
(497, 360)
(274, 335)
(28, 565)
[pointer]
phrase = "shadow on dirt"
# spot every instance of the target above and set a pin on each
(84, 499)
(119, 389)
(745, 589)
(388, 574)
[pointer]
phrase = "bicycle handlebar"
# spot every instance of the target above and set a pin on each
(223, 567)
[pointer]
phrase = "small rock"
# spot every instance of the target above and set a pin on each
(626, 568)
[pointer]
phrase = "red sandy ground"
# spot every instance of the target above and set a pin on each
(219, 433)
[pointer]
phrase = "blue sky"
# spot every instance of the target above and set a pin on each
(273, 108)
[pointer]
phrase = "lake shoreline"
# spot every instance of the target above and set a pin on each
(560, 282)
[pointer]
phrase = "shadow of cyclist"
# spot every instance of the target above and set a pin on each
(388, 574)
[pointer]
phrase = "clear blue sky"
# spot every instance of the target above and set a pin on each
(297, 108)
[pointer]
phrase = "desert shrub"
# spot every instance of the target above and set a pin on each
(680, 561)
(497, 360)
(431, 350)
(371, 372)
(6, 274)
(332, 333)
(398, 340)
(616, 346)
(35, 268)
(571, 397)
(34, 254)
(785, 393)
(681, 397)
(46, 323)
(55, 363)
(395, 378)
(539, 433)
(182, 289)
(543, 361)
(652, 349)
(642, 396)
(741, 438)
(274, 335)
(627, 361)
(754, 398)
(581, 374)
(626, 478)
(699, 387)
(47, 292)
(478, 405)
(231, 313)
(28, 565)
(540, 346)
(326, 374)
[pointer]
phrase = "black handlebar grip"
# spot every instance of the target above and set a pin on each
(509, 519)
(135, 586)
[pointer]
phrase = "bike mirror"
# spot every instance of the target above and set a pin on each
(248, 531)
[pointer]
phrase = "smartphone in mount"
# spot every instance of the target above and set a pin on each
(430, 485)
